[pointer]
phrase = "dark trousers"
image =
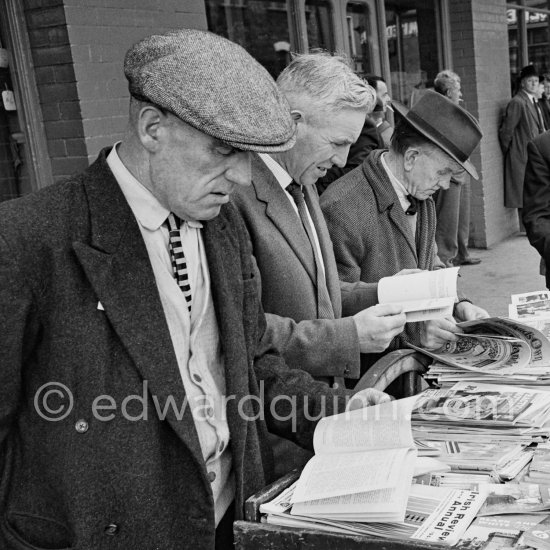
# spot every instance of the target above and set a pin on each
(224, 530)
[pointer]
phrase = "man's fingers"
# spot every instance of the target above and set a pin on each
(381, 310)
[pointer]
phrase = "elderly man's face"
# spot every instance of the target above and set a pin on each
(455, 93)
(192, 174)
(428, 169)
(322, 142)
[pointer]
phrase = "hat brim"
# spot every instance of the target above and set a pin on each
(403, 111)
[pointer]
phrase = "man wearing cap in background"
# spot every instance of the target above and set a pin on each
(316, 322)
(522, 121)
(381, 216)
(129, 318)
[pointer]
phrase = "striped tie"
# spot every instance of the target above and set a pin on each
(179, 265)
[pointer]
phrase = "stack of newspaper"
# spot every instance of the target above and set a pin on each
(482, 413)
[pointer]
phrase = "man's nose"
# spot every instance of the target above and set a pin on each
(240, 170)
(445, 182)
(340, 156)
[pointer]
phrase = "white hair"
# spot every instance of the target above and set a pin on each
(327, 81)
(445, 80)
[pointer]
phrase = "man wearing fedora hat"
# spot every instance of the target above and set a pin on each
(381, 216)
(134, 402)
(522, 122)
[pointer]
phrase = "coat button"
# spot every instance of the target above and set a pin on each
(81, 426)
(346, 371)
(211, 476)
(111, 529)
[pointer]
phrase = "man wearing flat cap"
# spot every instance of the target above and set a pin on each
(381, 216)
(522, 122)
(131, 380)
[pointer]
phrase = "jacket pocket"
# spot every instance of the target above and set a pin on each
(31, 532)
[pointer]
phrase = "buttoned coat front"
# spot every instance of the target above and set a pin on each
(80, 312)
(288, 280)
(519, 126)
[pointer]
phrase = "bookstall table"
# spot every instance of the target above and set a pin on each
(251, 534)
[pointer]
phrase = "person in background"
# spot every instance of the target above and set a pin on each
(522, 122)
(544, 102)
(536, 200)
(452, 205)
(131, 379)
(381, 216)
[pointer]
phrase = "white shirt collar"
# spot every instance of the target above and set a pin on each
(396, 184)
(145, 206)
(281, 175)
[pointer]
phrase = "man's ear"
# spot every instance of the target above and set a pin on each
(297, 116)
(409, 158)
(149, 124)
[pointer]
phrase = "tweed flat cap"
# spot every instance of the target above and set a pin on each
(214, 85)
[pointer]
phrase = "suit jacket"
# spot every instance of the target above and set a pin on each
(536, 197)
(519, 126)
(369, 139)
(89, 483)
(323, 347)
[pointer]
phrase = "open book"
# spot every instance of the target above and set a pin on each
(425, 295)
(362, 468)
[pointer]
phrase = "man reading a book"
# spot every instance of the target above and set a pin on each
(381, 216)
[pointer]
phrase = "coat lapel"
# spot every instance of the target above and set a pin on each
(226, 278)
(387, 198)
(117, 265)
(282, 214)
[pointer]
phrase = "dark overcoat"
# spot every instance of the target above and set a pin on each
(79, 308)
(519, 126)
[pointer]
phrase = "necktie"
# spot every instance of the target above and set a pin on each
(539, 114)
(179, 265)
(324, 305)
(413, 208)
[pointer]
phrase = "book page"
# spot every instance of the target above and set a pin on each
(426, 285)
(332, 475)
(385, 426)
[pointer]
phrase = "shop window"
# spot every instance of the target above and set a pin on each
(319, 21)
(528, 38)
(258, 26)
(363, 37)
(412, 29)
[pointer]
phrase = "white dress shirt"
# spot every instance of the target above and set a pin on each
(195, 335)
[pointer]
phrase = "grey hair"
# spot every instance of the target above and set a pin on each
(328, 81)
(445, 80)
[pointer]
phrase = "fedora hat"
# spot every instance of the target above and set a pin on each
(445, 124)
(528, 72)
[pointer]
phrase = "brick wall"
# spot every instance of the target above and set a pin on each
(100, 32)
(57, 90)
(480, 56)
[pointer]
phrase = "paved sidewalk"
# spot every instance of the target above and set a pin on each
(510, 267)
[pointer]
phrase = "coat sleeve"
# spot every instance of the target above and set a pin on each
(536, 200)
(511, 119)
(16, 305)
(293, 402)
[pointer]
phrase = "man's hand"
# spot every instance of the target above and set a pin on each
(378, 325)
(366, 398)
(437, 332)
(465, 311)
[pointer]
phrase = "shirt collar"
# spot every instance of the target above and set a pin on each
(396, 184)
(281, 175)
(145, 206)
